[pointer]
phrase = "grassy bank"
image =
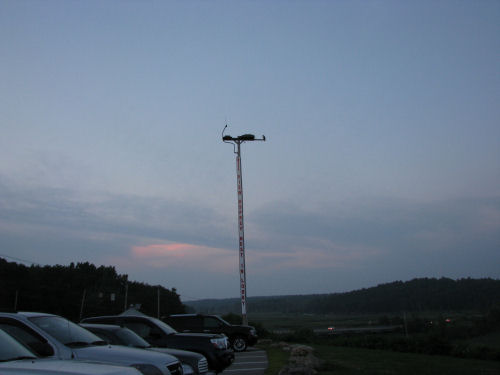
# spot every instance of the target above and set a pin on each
(430, 343)
(347, 361)
(276, 359)
(350, 361)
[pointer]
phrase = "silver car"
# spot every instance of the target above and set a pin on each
(56, 337)
(17, 359)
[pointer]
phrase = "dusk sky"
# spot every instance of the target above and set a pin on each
(382, 159)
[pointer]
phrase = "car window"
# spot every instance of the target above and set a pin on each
(195, 323)
(130, 338)
(27, 336)
(140, 328)
(223, 321)
(65, 331)
(163, 326)
(10, 348)
(106, 336)
(188, 323)
(211, 323)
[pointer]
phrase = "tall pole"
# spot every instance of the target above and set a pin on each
(126, 296)
(158, 315)
(241, 233)
(83, 302)
(237, 141)
(15, 301)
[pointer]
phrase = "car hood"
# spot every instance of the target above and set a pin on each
(243, 327)
(123, 355)
(62, 367)
(177, 353)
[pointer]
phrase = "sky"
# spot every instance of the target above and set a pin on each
(381, 160)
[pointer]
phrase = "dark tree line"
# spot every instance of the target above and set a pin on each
(79, 290)
(424, 294)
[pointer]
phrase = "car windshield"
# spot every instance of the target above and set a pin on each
(11, 350)
(66, 332)
(222, 320)
(164, 326)
(130, 338)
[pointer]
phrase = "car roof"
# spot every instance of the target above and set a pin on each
(24, 314)
(108, 327)
(99, 317)
(31, 314)
(181, 315)
(188, 315)
(90, 319)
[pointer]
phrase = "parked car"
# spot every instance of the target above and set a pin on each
(214, 347)
(15, 358)
(240, 336)
(117, 335)
(56, 337)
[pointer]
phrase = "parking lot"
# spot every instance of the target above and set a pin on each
(251, 362)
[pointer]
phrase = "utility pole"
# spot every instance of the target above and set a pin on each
(15, 300)
(158, 300)
(126, 296)
(237, 141)
(83, 302)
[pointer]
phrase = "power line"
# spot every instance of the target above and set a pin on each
(20, 260)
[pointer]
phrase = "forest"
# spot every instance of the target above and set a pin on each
(80, 290)
(417, 295)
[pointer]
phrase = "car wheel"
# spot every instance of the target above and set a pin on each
(239, 344)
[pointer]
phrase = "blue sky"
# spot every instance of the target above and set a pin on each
(382, 161)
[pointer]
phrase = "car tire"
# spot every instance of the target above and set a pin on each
(239, 344)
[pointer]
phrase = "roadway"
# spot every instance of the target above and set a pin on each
(250, 362)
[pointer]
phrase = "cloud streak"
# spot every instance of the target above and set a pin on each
(112, 214)
(382, 160)
(375, 236)
(185, 256)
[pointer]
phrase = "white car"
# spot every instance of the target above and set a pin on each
(56, 337)
(17, 359)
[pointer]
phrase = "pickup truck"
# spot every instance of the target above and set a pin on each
(214, 347)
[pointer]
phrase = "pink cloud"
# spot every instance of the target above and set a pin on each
(187, 256)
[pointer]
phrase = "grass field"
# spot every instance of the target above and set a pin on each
(347, 361)
(281, 321)
(277, 359)
(491, 340)
(350, 361)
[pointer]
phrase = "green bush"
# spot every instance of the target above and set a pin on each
(302, 335)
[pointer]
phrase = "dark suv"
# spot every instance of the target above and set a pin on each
(213, 346)
(239, 336)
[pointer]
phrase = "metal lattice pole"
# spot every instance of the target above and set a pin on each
(241, 228)
(241, 233)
